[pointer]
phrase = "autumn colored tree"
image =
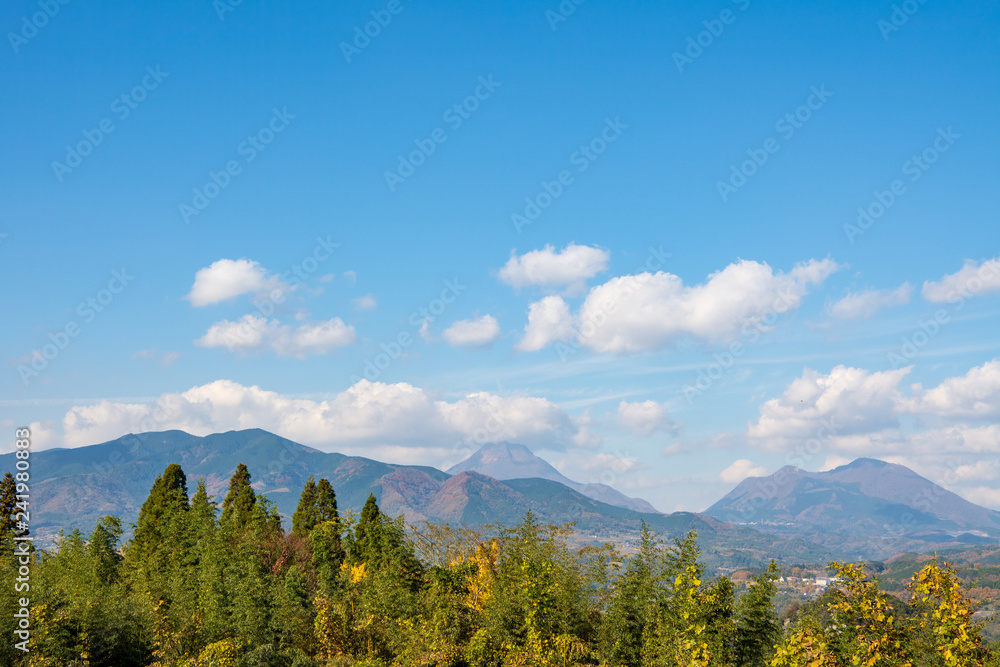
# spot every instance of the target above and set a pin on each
(945, 617)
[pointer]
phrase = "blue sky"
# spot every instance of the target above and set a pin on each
(187, 89)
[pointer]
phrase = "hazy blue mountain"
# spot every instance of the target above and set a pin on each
(869, 508)
(73, 488)
(503, 461)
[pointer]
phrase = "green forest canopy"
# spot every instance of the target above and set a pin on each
(200, 585)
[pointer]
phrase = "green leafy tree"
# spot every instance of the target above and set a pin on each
(758, 629)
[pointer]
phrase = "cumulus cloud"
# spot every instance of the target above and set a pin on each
(866, 304)
(644, 418)
(973, 279)
(973, 395)
(647, 311)
(549, 320)
(227, 279)
(843, 402)
(741, 469)
(599, 467)
(396, 422)
(480, 332)
(252, 333)
(550, 268)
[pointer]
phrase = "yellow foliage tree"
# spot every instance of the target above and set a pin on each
(946, 614)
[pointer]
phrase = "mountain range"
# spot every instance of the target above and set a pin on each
(73, 488)
(868, 509)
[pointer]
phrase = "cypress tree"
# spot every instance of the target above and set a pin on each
(326, 502)
(237, 508)
(161, 517)
(304, 519)
(367, 541)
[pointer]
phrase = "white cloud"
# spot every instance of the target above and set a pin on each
(480, 332)
(844, 402)
(973, 395)
(833, 461)
(971, 280)
(644, 418)
(986, 496)
(255, 333)
(550, 268)
(366, 302)
(647, 311)
(393, 422)
(867, 303)
(587, 434)
(549, 320)
(597, 467)
(741, 469)
(228, 279)
(980, 470)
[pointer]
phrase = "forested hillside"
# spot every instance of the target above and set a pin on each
(207, 585)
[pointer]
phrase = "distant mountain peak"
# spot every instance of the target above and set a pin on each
(874, 505)
(507, 460)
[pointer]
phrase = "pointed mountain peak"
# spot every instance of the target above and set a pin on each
(506, 460)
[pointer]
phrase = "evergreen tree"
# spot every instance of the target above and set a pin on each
(160, 564)
(304, 519)
(160, 518)
(237, 508)
(103, 549)
(203, 519)
(632, 606)
(367, 541)
(326, 502)
(758, 629)
(8, 506)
